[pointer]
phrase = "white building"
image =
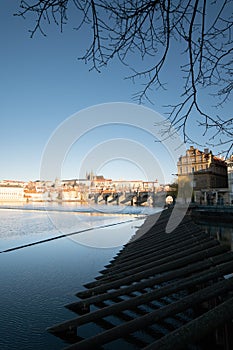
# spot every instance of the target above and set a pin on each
(230, 178)
(70, 195)
(37, 196)
(11, 193)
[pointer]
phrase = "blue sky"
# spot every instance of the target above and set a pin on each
(43, 83)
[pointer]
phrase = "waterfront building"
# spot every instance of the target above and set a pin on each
(209, 175)
(94, 187)
(11, 192)
(71, 194)
(13, 183)
(70, 182)
(98, 182)
(35, 191)
(127, 185)
(230, 178)
(35, 195)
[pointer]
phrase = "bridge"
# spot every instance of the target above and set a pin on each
(130, 198)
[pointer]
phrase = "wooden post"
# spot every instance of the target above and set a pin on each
(152, 270)
(220, 270)
(195, 329)
(210, 320)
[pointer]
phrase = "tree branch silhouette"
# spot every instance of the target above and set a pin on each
(128, 29)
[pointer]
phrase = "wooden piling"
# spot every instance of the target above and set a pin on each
(156, 277)
(195, 329)
(159, 261)
(157, 249)
(98, 287)
(145, 298)
(208, 274)
(167, 311)
(151, 253)
(165, 277)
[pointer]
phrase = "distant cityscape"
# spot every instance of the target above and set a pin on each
(212, 184)
(93, 187)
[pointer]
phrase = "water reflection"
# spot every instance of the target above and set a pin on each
(36, 282)
(221, 231)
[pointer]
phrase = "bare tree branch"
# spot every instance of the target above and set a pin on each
(202, 29)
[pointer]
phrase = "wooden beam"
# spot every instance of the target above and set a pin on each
(139, 300)
(206, 270)
(97, 286)
(172, 309)
(195, 329)
(157, 261)
(195, 266)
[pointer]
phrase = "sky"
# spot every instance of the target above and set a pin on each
(43, 84)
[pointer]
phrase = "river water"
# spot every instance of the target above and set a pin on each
(219, 230)
(41, 268)
(36, 281)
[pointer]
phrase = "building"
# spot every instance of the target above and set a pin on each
(230, 178)
(13, 193)
(209, 176)
(35, 195)
(71, 194)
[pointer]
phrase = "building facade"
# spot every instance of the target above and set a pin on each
(209, 176)
(230, 178)
(13, 193)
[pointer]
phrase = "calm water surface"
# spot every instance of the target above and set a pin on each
(222, 231)
(37, 281)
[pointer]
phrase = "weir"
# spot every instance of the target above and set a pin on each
(161, 291)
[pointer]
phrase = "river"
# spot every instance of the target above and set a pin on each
(46, 256)
(36, 281)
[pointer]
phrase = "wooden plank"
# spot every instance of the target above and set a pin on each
(97, 286)
(160, 237)
(165, 240)
(195, 266)
(205, 267)
(195, 329)
(184, 259)
(157, 231)
(141, 322)
(156, 251)
(141, 299)
(158, 261)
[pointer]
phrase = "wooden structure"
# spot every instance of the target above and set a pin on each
(161, 291)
